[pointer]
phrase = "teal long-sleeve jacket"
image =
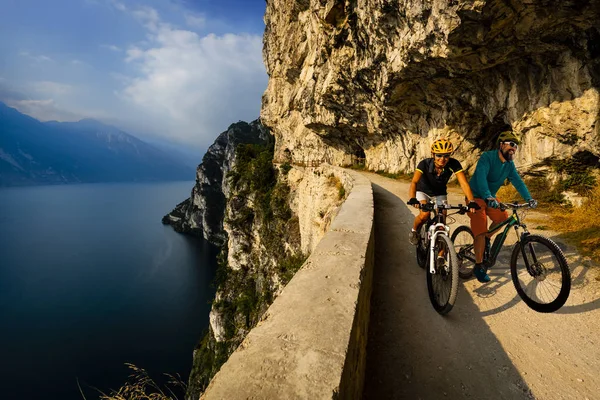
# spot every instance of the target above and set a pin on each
(491, 173)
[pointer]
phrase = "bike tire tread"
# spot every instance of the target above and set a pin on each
(565, 271)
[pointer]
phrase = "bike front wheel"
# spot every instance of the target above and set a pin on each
(443, 284)
(540, 273)
(422, 248)
(463, 239)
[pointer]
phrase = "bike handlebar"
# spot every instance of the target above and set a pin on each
(513, 206)
(432, 206)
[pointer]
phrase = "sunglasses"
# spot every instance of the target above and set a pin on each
(512, 144)
(442, 156)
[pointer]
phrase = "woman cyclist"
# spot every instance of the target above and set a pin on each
(431, 179)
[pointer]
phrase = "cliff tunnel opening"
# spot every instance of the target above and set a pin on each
(490, 131)
(359, 157)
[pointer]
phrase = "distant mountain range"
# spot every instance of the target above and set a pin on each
(34, 152)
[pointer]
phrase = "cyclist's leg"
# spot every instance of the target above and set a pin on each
(420, 219)
(497, 216)
(423, 216)
(479, 229)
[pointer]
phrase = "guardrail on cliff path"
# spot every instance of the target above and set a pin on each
(311, 342)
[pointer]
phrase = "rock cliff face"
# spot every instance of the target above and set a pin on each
(381, 79)
(202, 213)
(274, 218)
(266, 218)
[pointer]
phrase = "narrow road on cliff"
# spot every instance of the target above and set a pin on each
(491, 345)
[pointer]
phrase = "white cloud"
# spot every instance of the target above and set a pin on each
(44, 110)
(120, 77)
(118, 5)
(51, 88)
(36, 58)
(148, 16)
(195, 21)
(134, 53)
(196, 85)
(111, 47)
(79, 63)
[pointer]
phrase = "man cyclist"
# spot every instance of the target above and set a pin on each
(431, 179)
(493, 168)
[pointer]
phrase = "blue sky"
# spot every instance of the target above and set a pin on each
(180, 70)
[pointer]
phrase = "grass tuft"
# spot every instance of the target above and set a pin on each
(581, 225)
(140, 386)
(394, 175)
(335, 181)
(578, 225)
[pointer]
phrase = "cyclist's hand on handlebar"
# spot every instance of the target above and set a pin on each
(472, 206)
(414, 202)
(532, 203)
(492, 202)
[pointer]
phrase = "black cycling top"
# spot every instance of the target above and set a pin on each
(432, 184)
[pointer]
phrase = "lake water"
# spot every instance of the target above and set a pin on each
(90, 280)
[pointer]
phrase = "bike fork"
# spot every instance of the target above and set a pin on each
(532, 254)
(433, 234)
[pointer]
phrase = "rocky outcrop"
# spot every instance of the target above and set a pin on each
(274, 216)
(202, 213)
(381, 78)
(266, 217)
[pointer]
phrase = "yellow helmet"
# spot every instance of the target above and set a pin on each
(509, 136)
(441, 146)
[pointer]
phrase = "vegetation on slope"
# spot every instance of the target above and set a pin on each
(258, 204)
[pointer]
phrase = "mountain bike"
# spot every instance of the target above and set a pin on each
(538, 267)
(436, 252)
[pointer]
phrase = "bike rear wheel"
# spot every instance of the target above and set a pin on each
(463, 238)
(443, 285)
(540, 273)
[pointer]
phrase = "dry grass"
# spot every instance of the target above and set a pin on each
(400, 176)
(578, 225)
(335, 181)
(140, 386)
(581, 225)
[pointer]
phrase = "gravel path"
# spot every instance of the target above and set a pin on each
(491, 345)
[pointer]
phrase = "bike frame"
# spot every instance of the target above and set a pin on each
(436, 229)
(512, 221)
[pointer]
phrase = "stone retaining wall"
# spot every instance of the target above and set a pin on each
(311, 342)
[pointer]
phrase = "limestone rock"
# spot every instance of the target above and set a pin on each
(202, 213)
(382, 78)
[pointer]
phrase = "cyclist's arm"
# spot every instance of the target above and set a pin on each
(518, 183)
(412, 191)
(464, 185)
(480, 177)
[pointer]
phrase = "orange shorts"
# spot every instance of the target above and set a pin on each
(479, 220)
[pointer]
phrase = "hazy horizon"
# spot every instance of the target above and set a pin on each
(170, 71)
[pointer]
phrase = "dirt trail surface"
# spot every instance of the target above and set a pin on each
(491, 345)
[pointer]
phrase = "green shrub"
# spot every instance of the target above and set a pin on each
(579, 176)
(394, 175)
(580, 182)
(289, 266)
(285, 168)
